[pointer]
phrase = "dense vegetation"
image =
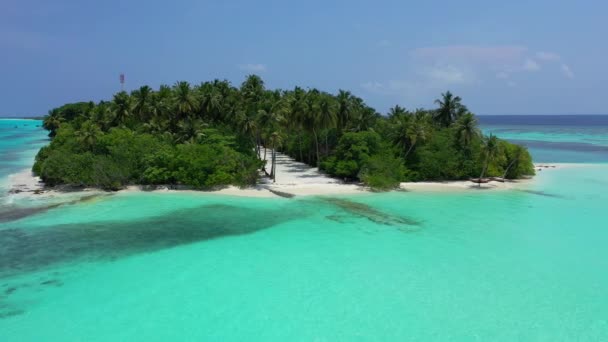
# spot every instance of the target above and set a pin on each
(213, 134)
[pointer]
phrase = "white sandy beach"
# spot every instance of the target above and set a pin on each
(293, 179)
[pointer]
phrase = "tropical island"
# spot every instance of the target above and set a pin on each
(214, 135)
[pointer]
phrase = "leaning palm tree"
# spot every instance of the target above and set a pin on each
(515, 157)
(418, 131)
(466, 130)
(490, 149)
(450, 108)
(52, 122)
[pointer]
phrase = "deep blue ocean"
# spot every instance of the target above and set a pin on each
(554, 138)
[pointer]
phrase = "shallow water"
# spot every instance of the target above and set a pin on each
(483, 265)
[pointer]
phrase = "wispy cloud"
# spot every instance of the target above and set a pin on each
(567, 71)
(448, 75)
(252, 67)
(486, 55)
(531, 65)
(547, 56)
(430, 69)
(427, 80)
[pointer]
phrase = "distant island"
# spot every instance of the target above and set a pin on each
(215, 134)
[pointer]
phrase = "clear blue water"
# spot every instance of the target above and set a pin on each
(19, 142)
(460, 266)
(566, 138)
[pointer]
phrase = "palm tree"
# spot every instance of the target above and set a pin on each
(190, 131)
(515, 158)
(211, 101)
(122, 108)
(276, 140)
(52, 122)
(185, 101)
(396, 112)
(416, 132)
(270, 114)
(143, 101)
(295, 112)
(248, 125)
(345, 111)
(490, 149)
(365, 119)
(88, 134)
(450, 108)
(399, 132)
(466, 130)
(311, 117)
(252, 91)
(327, 118)
(156, 125)
(162, 101)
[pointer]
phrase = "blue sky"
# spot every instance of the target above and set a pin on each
(507, 57)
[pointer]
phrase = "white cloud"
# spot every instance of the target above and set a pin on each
(567, 71)
(498, 55)
(374, 87)
(392, 87)
(531, 65)
(547, 56)
(429, 80)
(432, 69)
(252, 67)
(447, 75)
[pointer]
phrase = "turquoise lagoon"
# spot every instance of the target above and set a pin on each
(500, 265)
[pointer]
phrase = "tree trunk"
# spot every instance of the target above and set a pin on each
(300, 145)
(504, 176)
(257, 146)
(409, 150)
(264, 154)
(327, 144)
(483, 171)
(314, 132)
(274, 164)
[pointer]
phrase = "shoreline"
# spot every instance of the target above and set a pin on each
(309, 182)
